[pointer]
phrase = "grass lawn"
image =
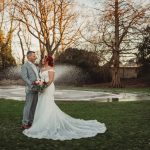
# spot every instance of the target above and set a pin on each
(128, 126)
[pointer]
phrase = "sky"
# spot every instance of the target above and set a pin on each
(92, 2)
(83, 6)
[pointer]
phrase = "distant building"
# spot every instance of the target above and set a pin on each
(128, 72)
(130, 69)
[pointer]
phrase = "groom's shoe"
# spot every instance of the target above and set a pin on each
(25, 126)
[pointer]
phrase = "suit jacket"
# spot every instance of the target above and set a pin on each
(28, 75)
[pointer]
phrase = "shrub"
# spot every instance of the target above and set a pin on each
(88, 61)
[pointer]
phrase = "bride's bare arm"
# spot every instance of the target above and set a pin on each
(51, 76)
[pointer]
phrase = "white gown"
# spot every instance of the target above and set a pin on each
(51, 123)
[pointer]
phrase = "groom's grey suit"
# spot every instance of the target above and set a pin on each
(29, 76)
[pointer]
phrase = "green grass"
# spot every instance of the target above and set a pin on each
(128, 126)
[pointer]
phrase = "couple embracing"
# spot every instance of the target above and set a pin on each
(42, 118)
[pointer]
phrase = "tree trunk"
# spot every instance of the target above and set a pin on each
(42, 50)
(116, 55)
(22, 48)
(116, 83)
(49, 49)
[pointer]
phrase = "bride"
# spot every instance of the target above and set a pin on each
(50, 122)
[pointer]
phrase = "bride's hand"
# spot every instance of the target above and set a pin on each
(39, 82)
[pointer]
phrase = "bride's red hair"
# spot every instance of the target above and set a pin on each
(50, 60)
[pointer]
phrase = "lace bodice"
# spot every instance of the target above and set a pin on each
(44, 75)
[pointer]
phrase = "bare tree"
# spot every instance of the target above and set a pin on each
(24, 40)
(92, 35)
(4, 5)
(119, 30)
(50, 22)
(127, 21)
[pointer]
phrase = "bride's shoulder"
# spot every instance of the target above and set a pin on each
(51, 69)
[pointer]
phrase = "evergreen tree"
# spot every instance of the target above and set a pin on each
(6, 58)
(88, 61)
(2, 39)
(144, 53)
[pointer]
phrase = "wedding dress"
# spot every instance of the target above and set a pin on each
(51, 123)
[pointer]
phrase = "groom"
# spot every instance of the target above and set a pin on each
(29, 73)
